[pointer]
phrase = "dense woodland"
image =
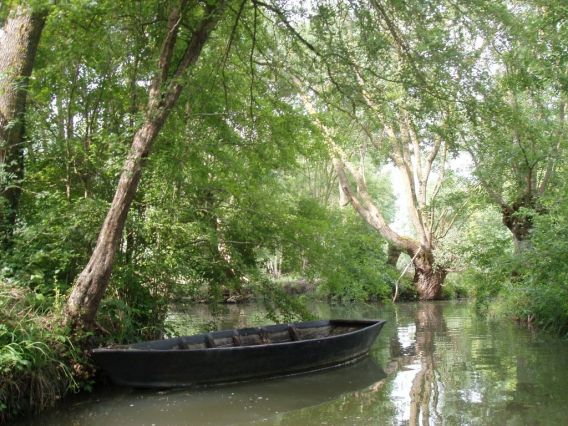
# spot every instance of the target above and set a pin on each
(157, 151)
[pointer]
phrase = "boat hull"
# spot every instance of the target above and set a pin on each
(144, 366)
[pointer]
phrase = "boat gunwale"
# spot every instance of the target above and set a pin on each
(367, 322)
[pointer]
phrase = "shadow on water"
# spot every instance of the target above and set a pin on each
(229, 405)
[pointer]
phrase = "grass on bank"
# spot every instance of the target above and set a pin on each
(38, 362)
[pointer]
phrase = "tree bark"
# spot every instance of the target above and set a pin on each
(19, 39)
(89, 288)
(428, 278)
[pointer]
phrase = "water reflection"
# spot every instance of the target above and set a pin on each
(417, 386)
(447, 366)
(231, 405)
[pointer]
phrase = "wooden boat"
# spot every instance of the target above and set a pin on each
(239, 355)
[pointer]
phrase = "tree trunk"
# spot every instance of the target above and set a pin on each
(89, 288)
(428, 277)
(91, 283)
(19, 39)
(343, 199)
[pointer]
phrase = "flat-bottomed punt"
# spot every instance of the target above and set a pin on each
(239, 355)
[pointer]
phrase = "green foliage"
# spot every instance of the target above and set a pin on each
(354, 265)
(529, 286)
(54, 243)
(330, 246)
(131, 312)
(238, 175)
(538, 290)
(484, 252)
(456, 287)
(281, 307)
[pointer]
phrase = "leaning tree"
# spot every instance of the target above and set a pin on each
(186, 31)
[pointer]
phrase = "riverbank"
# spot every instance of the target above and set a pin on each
(40, 363)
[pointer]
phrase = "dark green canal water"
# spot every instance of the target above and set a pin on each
(433, 364)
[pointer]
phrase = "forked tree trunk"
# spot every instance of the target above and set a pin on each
(19, 39)
(427, 278)
(89, 288)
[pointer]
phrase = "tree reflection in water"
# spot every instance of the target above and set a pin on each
(424, 395)
(417, 387)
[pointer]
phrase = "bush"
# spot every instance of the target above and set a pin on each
(454, 287)
(132, 313)
(53, 242)
(483, 250)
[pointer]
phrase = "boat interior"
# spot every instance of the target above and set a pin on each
(252, 336)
